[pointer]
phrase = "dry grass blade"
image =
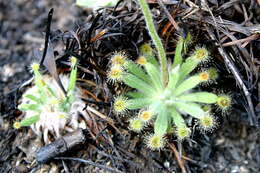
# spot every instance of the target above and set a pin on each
(179, 160)
(238, 79)
(107, 168)
(171, 19)
(241, 41)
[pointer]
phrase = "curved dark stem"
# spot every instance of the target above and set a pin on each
(117, 4)
(47, 35)
(95, 21)
(96, 103)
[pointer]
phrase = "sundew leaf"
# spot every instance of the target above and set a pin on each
(51, 91)
(155, 75)
(139, 103)
(33, 98)
(161, 123)
(157, 106)
(65, 105)
(186, 85)
(29, 121)
(178, 53)
(190, 108)
(138, 84)
(38, 79)
(40, 84)
(188, 66)
(135, 95)
(137, 71)
(72, 82)
(201, 97)
(177, 118)
(151, 59)
(187, 40)
(29, 107)
(173, 78)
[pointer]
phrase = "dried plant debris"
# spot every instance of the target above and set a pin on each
(228, 29)
(61, 146)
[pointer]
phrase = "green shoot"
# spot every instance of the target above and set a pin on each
(45, 98)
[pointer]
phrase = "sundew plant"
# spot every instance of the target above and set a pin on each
(165, 94)
(47, 109)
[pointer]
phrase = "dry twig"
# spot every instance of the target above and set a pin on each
(253, 119)
(179, 160)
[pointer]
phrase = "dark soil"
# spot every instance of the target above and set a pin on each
(110, 147)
